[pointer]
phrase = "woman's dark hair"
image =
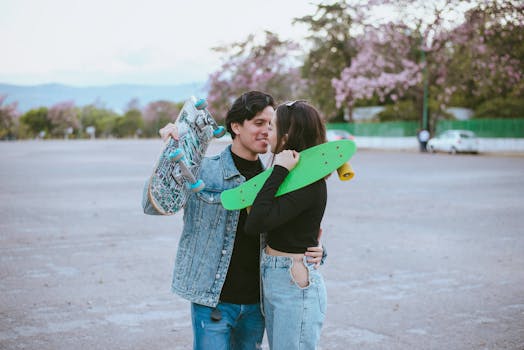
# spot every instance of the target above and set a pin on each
(299, 126)
(246, 107)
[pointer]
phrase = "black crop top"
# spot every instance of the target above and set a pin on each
(292, 221)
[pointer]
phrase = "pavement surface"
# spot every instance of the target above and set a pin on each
(425, 251)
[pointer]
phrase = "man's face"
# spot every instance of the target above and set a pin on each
(252, 136)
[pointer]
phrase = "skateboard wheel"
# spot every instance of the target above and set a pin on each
(219, 132)
(197, 186)
(345, 172)
(176, 155)
(201, 104)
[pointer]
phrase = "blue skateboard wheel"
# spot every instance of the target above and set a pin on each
(201, 104)
(219, 132)
(197, 186)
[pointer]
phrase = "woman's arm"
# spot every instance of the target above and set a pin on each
(269, 211)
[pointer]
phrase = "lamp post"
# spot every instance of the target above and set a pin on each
(425, 98)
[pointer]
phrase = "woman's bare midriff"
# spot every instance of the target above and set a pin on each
(299, 271)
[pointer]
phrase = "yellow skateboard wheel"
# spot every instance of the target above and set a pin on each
(345, 172)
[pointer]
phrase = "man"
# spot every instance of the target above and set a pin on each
(217, 264)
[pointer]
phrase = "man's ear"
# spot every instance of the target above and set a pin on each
(236, 128)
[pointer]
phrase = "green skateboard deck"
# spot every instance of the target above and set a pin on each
(315, 163)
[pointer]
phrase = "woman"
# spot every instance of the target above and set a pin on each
(294, 291)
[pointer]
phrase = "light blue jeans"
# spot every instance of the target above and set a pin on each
(294, 315)
(240, 328)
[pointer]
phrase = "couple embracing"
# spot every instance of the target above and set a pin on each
(248, 270)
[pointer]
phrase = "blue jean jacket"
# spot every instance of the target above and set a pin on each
(208, 236)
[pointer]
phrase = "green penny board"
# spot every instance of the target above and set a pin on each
(314, 164)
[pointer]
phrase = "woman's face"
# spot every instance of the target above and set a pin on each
(272, 134)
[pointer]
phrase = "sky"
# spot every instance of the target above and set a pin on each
(104, 42)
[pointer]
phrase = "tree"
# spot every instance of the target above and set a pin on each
(441, 28)
(385, 66)
(129, 125)
(36, 121)
(332, 50)
(8, 118)
(63, 118)
(157, 114)
(104, 120)
(248, 65)
(487, 60)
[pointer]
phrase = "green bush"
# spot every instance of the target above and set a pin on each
(400, 111)
(501, 108)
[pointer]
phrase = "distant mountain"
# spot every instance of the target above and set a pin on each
(114, 97)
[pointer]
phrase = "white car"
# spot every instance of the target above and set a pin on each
(454, 141)
(337, 134)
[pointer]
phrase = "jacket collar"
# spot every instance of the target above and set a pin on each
(228, 165)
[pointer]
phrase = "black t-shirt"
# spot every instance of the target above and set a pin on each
(242, 284)
(292, 221)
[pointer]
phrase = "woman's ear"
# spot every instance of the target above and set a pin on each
(284, 140)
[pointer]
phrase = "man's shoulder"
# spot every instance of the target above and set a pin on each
(212, 162)
(213, 158)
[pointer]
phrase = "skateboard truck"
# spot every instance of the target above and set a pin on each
(218, 131)
(194, 184)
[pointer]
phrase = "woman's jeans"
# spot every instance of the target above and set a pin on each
(241, 327)
(294, 315)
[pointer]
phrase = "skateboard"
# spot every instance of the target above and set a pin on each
(175, 174)
(315, 163)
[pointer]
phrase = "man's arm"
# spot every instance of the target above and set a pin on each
(170, 130)
(318, 254)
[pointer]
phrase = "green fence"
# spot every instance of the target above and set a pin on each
(386, 129)
(503, 128)
(510, 128)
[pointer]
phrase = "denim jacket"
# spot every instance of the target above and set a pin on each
(208, 236)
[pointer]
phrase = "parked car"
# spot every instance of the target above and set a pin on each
(454, 141)
(337, 134)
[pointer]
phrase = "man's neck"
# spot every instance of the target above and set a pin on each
(242, 152)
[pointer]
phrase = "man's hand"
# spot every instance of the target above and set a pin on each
(170, 130)
(314, 254)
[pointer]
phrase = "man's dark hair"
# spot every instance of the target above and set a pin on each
(246, 107)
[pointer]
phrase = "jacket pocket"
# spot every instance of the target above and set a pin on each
(209, 196)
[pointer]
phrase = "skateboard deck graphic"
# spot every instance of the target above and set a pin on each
(175, 174)
(314, 164)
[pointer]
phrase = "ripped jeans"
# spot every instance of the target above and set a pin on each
(241, 327)
(294, 314)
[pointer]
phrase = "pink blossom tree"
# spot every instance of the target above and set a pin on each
(385, 66)
(393, 57)
(158, 113)
(253, 64)
(63, 118)
(8, 118)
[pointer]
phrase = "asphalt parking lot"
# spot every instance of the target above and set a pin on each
(425, 251)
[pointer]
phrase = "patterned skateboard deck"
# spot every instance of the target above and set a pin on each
(314, 164)
(175, 174)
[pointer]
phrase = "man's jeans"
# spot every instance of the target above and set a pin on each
(241, 327)
(294, 315)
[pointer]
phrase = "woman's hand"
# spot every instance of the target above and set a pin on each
(288, 159)
(170, 130)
